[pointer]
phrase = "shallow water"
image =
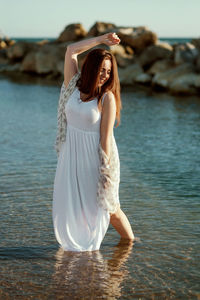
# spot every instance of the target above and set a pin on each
(158, 142)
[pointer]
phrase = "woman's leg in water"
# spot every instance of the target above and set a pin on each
(121, 223)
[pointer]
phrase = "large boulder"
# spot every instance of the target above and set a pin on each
(186, 52)
(160, 66)
(72, 32)
(46, 60)
(29, 63)
(186, 84)
(19, 50)
(100, 28)
(196, 43)
(123, 59)
(129, 74)
(164, 79)
(155, 52)
(137, 37)
(143, 78)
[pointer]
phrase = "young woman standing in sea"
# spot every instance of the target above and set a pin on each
(86, 186)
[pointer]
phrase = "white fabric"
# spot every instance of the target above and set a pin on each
(80, 223)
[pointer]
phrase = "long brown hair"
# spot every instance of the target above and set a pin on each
(90, 74)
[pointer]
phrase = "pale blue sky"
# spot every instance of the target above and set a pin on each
(47, 18)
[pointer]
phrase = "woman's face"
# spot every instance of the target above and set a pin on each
(105, 71)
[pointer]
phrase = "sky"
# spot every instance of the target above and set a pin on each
(48, 18)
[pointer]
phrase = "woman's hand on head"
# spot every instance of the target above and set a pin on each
(110, 39)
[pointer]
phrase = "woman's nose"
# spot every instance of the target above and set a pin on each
(104, 74)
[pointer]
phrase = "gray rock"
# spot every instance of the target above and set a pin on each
(10, 68)
(154, 53)
(123, 59)
(72, 32)
(137, 37)
(185, 84)
(143, 78)
(164, 79)
(29, 63)
(186, 52)
(20, 49)
(128, 75)
(100, 28)
(160, 66)
(44, 61)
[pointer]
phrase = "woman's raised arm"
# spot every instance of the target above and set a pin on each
(73, 50)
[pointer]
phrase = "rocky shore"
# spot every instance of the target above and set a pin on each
(142, 59)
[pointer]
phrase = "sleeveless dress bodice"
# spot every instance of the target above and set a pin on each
(83, 115)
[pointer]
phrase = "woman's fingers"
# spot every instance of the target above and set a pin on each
(112, 39)
(113, 36)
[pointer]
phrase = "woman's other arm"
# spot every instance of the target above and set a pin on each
(107, 122)
(73, 50)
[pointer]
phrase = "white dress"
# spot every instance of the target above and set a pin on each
(80, 223)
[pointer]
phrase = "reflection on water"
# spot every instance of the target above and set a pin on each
(87, 275)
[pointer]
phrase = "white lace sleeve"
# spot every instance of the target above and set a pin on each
(109, 178)
(65, 93)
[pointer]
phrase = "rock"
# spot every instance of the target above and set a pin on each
(137, 37)
(72, 32)
(117, 49)
(60, 67)
(160, 66)
(19, 50)
(10, 68)
(186, 52)
(164, 79)
(154, 53)
(44, 61)
(129, 50)
(128, 75)
(29, 63)
(3, 44)
(143, 78)
(196, 43)
(43, 42)
(6, 42)
(100, 28)
(185, 84)
(197, 64)
(123, 59)
(3, 57)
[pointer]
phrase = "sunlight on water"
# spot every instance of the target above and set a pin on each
(158, 142)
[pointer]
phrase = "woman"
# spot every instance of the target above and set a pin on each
(85, 198)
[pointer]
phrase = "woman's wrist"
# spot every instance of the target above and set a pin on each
(101, 39)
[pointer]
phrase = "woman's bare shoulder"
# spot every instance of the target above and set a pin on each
(109, 99)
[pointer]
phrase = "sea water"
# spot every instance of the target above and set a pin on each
(158, 142)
